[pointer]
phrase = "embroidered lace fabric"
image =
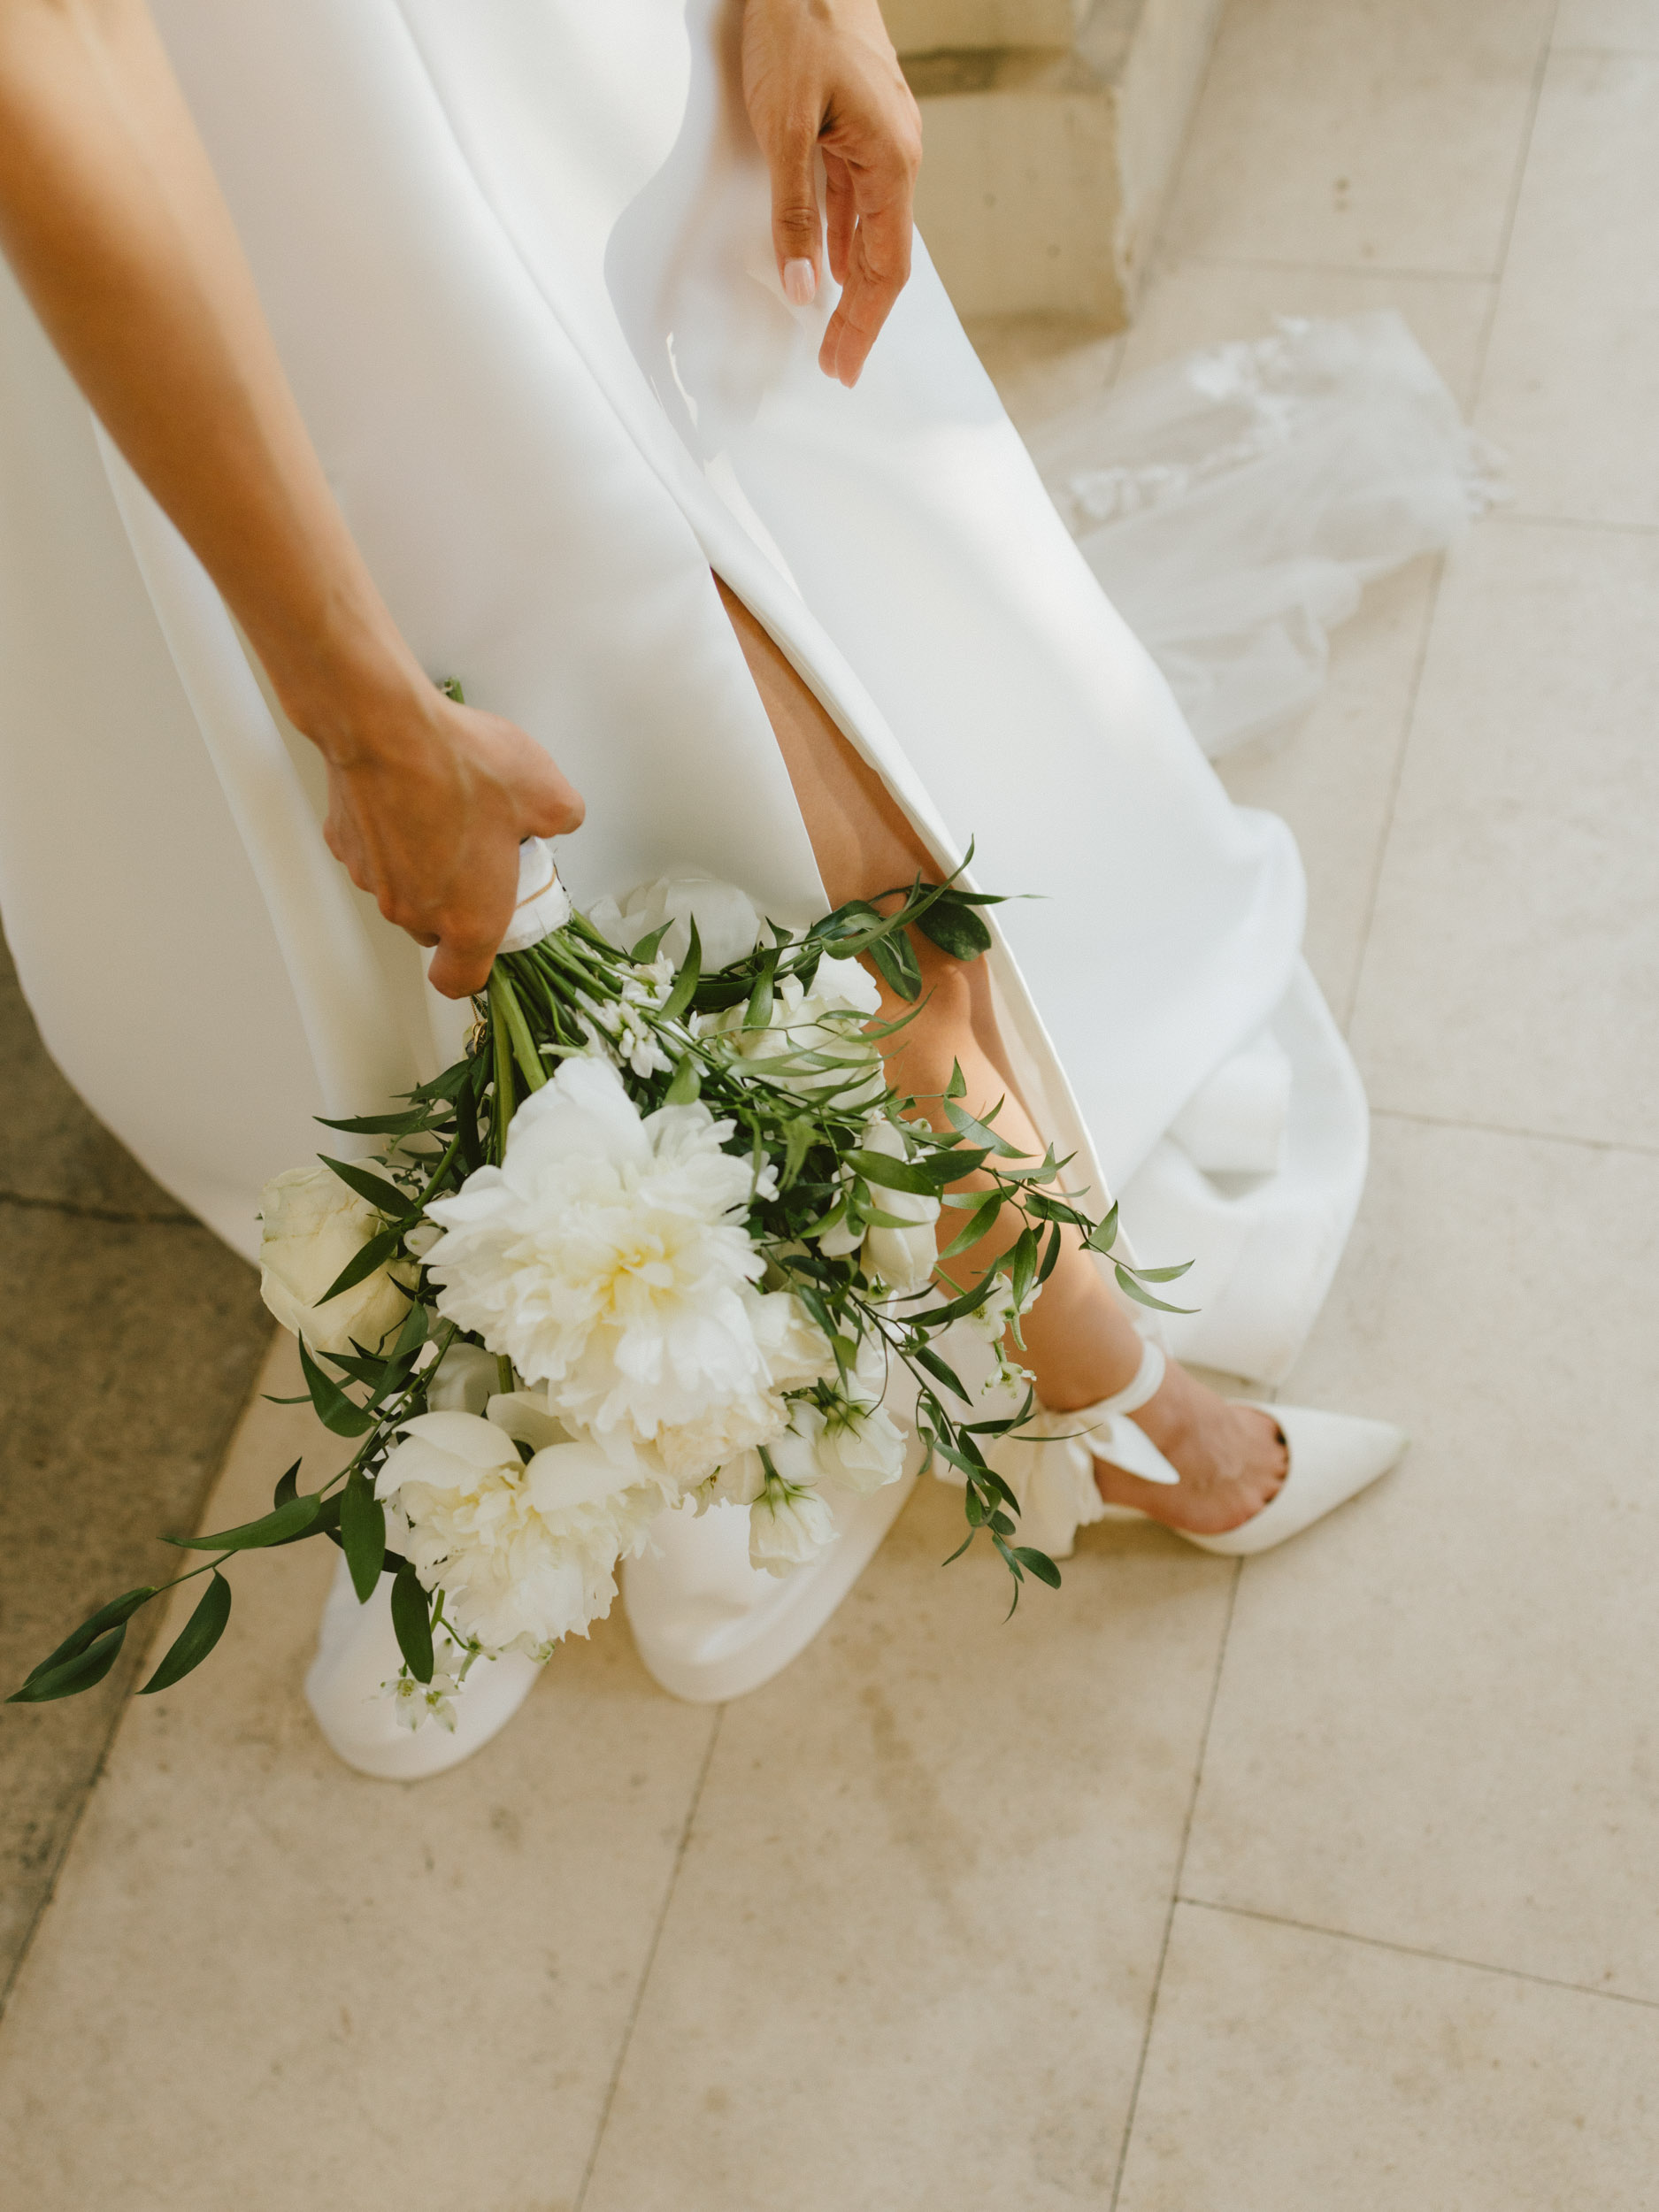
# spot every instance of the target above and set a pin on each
(1234, 502)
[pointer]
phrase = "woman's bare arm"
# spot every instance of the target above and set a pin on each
(111, 216)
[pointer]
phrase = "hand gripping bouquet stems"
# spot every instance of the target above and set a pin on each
(665, 1235)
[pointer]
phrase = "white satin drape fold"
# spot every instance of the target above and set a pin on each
(517, 258)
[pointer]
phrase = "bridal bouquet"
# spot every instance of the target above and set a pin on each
(665, 1235)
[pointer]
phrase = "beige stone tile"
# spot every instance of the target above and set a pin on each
(1620, 26)
(1339, 132)
(1194, 303)
(1042, 364)
(1332, 776)
(267, 1982)
(1571, 386)
(1432, 1726)
(1291, 2071)
(1513, 965)
(912, 1941)
(126, 1349)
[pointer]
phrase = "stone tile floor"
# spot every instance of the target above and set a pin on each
(1327, 1883)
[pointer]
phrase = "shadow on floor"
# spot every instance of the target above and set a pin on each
(129, 1339)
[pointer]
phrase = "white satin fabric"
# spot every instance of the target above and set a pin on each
(517, 257)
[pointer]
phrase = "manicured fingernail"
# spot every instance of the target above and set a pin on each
(800, 284)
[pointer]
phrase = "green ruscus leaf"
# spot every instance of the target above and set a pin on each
(363, 1531)
(87, 1657)
(293, 1518)
(1130, 1288)
(955, 927)
(686, 981)
(195, 1638)
(334, 1409)
(1037, 1562)
(412, 1617)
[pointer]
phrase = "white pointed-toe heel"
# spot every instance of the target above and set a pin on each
(1050, 1468)
(357, 1652)
(1332, 1457)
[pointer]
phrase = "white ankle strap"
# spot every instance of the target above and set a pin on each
(1146, 1382)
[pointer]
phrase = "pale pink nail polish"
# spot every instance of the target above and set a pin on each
(800, 284)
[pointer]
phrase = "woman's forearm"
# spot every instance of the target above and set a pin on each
(112, 219)
(116, 228)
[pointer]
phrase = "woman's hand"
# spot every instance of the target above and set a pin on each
(821, 75)
(426, 812)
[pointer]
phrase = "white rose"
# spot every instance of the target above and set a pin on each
(525, 1554)
(729, 922)
(608, 1257)
(311, 1225)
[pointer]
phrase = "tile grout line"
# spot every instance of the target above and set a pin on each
(1529, 1136)
(1419, 1951)
(133, 1662)
(1408, 721)
(1175, 1891)
(1505, 518)
(1540, 70)
(650, 1960)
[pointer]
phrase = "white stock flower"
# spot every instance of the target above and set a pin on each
(311, 1225)
(786, 1527)
(902, 1258)
(997, 1315)
(416, 1702)
(729, 922)
(607, 1257)
(861, 1448)
(525, 1554)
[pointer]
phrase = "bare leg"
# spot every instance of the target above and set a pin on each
(1080, 1343)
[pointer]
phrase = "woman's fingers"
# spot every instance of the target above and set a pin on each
(878, 267)
(461, 965)
(842, 212)
(428, 818)
(825, 79)
(796, 226)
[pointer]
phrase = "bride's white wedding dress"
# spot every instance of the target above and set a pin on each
(517, 261)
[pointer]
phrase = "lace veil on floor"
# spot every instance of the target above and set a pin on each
(1234, 501)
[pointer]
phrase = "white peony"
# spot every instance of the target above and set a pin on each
(607, 1257)
(794, 1352)
(312, 1226)
(902, 1258)
(524, 1552)
(729, 922)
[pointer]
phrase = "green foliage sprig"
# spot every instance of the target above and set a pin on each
(803, 1112)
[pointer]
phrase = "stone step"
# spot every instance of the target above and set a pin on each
(1047, 161)
(926, 27)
